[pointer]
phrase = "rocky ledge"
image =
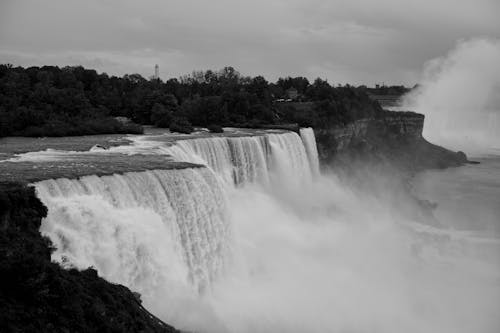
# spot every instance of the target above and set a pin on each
(394, 139)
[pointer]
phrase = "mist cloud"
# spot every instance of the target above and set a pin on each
(460, 96)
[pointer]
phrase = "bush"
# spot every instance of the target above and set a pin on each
(160, 116)
(102, 125)
(181, 125)
(131, 128)
(215, 128)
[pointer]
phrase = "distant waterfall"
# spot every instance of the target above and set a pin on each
(289, 159)
(307, 135)
(237, 160)
(250, 159)
(132, 227)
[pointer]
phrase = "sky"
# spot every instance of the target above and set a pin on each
(356, 42)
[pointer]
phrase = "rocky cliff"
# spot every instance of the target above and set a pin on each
(393, 138)
(37, 295)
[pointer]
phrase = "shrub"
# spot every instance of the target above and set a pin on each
(160, 116)
(131, 128)
(181, 125)
(215, 128)
(102, 125)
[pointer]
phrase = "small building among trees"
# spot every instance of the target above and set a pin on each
(292, 93)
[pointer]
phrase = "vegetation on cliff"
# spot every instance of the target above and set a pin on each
(37, 295)
(53, 101)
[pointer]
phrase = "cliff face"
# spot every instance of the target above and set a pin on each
(393, 139)
(408, 124)
(37, 295)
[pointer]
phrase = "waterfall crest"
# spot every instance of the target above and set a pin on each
(237, 160)
(251, 159)
(132, 227)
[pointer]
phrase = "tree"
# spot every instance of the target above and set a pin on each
(160, 116)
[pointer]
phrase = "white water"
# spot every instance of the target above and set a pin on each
(307, 135)
(99, 221)
(238, 160)
(301, 255)
(254, 159)
(460, 96)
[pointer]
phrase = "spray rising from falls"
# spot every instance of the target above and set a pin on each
(164, 232)
(460, 96)
(89, 218)
(267, 253)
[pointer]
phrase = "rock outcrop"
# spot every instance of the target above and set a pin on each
(394, 138)
(37, 295)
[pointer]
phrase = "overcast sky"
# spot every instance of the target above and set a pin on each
(364, 41)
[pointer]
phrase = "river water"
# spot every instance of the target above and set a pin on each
(467, 198)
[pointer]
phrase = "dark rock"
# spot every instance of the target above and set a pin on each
(37, 295)
(393, 139)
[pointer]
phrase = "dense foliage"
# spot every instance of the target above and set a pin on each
(49, 100)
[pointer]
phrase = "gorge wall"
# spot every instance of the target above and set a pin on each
(394, 139)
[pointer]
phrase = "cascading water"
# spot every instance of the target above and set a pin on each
(252, 244)
(243, 160)
(237, 160)
(460, 97)
(190, 203)
(164, 230)
(99, 221)
(307, 136)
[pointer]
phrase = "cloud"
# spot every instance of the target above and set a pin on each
(357, 42)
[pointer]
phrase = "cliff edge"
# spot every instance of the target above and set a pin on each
(391, 139)
(37, 295)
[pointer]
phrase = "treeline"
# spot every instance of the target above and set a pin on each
(388, 90)
(53, 101)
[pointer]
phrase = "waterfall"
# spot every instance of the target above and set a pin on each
(168, 234)
(140, 227)
(237, 160)
(307, 135)
(104, 221)
(251, 159)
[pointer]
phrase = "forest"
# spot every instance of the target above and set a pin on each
(53, 101)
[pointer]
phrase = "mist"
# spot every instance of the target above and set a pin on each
(292, 251)
(460, 97)
(337, 258)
